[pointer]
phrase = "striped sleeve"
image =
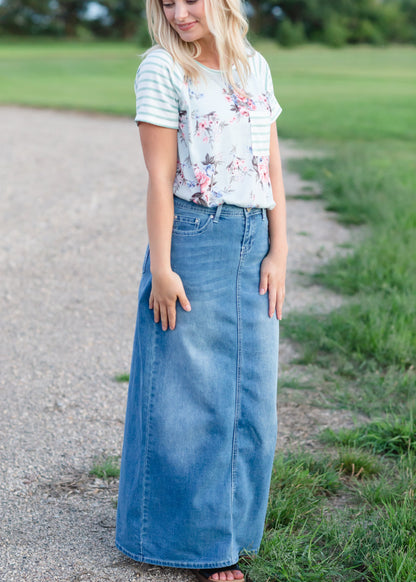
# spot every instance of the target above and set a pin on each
(266, 76)
(275, 109)
(156, 97)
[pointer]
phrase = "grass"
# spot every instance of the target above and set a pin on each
(393, 437)
(371, 340)
(349, 513)
(368, 346)
(309, 537)
(106, 467)
(125, 377)
(298, 482)
(356, 463)
(295, 383)
(69, 75)
(354, 93)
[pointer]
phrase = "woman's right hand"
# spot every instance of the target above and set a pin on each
(167, 288)
(160, 151)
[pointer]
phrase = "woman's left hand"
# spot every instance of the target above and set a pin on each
(272, 279)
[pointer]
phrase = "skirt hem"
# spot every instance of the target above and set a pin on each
(178, 564)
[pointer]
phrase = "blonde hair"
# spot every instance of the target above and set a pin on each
(229, 27)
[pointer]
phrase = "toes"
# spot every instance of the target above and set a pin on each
(227, 576)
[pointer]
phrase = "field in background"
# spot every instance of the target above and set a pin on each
(352, 93)
(349, 514)
(69, 75)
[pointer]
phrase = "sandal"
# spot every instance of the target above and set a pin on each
(204, 575)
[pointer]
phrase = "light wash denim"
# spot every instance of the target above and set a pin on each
(201, 419)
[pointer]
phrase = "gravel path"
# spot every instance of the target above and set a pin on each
(72, 215)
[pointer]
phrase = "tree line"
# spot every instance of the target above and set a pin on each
(72, 18)
(289, 22)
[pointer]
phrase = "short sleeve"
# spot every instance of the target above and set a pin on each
(265, 79)
(157, 100)
(275, 109)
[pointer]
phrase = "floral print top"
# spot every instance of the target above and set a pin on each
(223, 136)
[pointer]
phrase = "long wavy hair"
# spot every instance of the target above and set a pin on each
(229, 27)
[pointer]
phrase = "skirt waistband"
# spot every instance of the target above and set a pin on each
(216, 211)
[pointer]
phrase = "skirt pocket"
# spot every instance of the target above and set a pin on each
(260, 132)
(190, 224)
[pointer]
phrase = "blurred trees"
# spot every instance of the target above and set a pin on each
(72, 18)
(290, 22)
(125, 16)
(25, 16)
(346, 21)
(69, 13)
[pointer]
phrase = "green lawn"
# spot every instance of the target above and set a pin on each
(353, 93)
(69, 75)
(350, 514)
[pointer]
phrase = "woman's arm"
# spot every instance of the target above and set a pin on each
(159, 146)
(273, 268)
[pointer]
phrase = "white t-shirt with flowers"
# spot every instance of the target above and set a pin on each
(223, 137)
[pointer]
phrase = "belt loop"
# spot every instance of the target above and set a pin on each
(218, 213)
(263, 213)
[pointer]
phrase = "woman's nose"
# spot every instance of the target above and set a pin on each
(181, 10)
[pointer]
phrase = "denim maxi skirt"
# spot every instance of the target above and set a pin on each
(201, 420)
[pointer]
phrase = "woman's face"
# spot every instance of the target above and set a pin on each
(188, 18)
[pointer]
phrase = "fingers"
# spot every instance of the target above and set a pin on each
(276, 299)
(276, 295)
(164, 310)
(279, 302)
(171, 312)
(272, 280)
(166, 313)
(164, 317)
(264, 283)
(156, 311)
(272, 301)
(161, 313)
(184, 301)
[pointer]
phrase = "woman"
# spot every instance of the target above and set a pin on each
(201, 414)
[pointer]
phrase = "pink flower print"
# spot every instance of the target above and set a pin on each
(263, 99)
(179, 178)
(251, 105)
(203, 124)
(217, 125)
(240, 164)
(239, 93)
(237, 168)
(246, 103)
(202, 179)
(263, 169)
